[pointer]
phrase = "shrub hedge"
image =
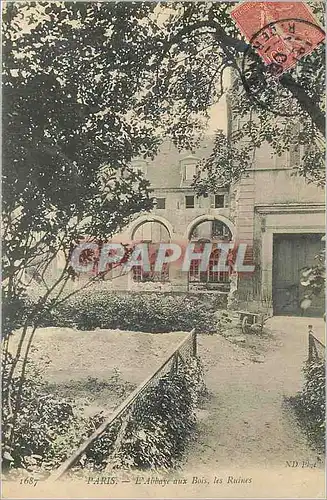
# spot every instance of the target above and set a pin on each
(159, 428)
(310, 403)
(137, 312)
(48, 426)
(41, 420)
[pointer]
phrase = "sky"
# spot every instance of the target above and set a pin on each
(218, 118)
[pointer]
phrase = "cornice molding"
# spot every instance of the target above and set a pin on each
(290, 208)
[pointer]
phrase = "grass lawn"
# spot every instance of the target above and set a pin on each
(98, 369)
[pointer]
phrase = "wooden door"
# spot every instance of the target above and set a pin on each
(291, 253)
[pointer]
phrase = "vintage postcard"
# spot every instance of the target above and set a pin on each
(163, 243)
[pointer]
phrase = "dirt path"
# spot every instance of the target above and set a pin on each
(245, 422)
(245, 433)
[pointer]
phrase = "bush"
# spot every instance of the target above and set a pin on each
(46, 427)
(14, 313)
(159, 428)
(310, 403)
(137, 312)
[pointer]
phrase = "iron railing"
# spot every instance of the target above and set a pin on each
(185, 350)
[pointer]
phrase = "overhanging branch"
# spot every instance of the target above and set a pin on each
(305, 101)
(287, 81)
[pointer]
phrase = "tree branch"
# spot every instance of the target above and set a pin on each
(306, 103)
(287, 81)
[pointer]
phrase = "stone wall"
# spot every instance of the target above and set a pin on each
(268, 200)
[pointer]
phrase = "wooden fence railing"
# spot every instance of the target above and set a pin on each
(185, 350)
(316, 349)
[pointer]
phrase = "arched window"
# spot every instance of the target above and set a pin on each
(211, 230)
(216, 232)
(152, 233)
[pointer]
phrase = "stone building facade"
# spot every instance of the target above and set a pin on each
(284, 218)
(179, 216)
(279, 216)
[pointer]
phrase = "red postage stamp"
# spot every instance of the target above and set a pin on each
(280, 32)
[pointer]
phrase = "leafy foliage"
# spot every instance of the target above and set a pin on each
(159, 427)
(67, 134)
(314, 279)
(222, 167)
(15, 311)
(69, 83)
(137, 312)
(311, 402)
(158, 431)
(130, 72)
(49, 426)
(43, 422)
(87, 86)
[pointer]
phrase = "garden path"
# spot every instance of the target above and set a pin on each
(245, 423)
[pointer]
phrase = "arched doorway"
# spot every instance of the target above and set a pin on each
(216, 232)
(151, 233)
